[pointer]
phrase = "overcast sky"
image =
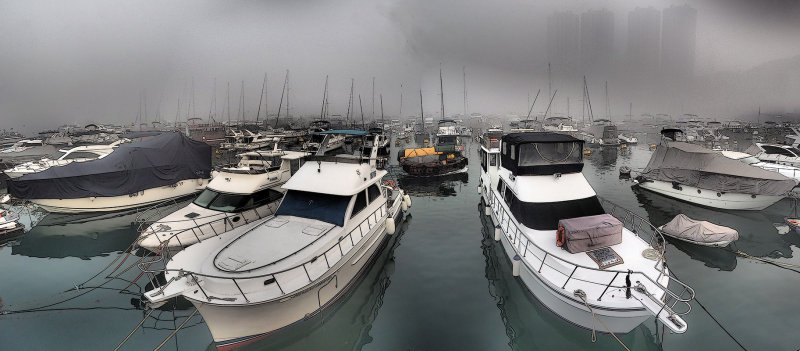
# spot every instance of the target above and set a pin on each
(84, 61)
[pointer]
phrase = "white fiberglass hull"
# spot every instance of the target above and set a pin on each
(235, 325)
(570, 308)
(123, 202)
(710, 198)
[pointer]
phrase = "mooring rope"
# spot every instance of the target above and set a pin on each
(582, 295)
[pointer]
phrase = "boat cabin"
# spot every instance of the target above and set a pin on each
(541, 153)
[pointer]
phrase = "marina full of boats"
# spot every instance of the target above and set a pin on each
(270, 245)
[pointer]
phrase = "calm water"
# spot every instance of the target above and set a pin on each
(441, 283)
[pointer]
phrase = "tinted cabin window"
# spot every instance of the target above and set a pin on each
(80, 154)
(493, 160)
(777, 151)
(483, 159)
(266, 196)
(361, 203)
(374, 192)
(545, 215)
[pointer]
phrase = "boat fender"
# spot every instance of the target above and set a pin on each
(628, 285)
(515, 266)
(497, 232)
(479, 187)
(561, 236)
(407, 200)
(488, 210)
(403, 206)
(390, 228)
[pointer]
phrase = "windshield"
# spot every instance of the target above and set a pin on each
(223, 202)
(323, 207)
(56, 155)
(537, 154)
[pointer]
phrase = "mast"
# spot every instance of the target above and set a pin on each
(261, 98)
(551, 103)
(228, 104)
(401, 100)
(194, 106)
(534, 103)
(608, 108)
(212, 109)
(349, 104)
(280, 104)
(382, 122)
(241, 107)
(362, 111)
(441, 88)
(287, 93)
(549, 80)
(324, 99)
(421, 112)
(373, 98)
(464, 73)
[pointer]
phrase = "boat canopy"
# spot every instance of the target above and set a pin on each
(696, 166)
(541, 153)
(158, 161)
(699, 231)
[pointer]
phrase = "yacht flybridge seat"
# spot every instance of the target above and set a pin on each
(541, 154)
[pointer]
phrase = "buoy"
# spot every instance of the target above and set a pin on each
(407, 200)
(403, 206)
(488, 210)
(497, 232)
(390, 226)
(515, 266)
(479, 189)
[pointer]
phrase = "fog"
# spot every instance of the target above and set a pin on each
(96, 61)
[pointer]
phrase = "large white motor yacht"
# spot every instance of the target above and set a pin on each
(623, 283)
(163, 167)
(272, 273)
(705, 177)
(237, 195)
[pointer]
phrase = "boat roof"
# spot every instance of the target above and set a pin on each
(735, 154)
(538, 137)
(335, 178)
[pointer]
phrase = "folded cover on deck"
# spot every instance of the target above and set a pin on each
(590, 232)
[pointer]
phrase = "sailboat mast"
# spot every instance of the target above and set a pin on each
(441, 88)
(464, 74)
(382, 122)
(280, 104)
(324, 99)
(228, 104)
(373, 98)
(349, 104)
(261, 98)
(401, 100)
(421, 112)
(362, 111)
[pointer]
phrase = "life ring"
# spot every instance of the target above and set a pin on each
(561, 236)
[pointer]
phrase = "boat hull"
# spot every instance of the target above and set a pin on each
(710, 198)
(568, 307)
(434, 168)
(123, 202)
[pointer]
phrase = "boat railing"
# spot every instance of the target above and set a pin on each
(285, 281)
(208, 229)
(681, 294)
(146, 216)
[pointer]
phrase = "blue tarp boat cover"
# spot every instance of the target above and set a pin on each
(161, 160)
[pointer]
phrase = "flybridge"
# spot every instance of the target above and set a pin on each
(541, 153)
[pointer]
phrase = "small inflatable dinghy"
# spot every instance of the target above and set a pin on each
(699, 232)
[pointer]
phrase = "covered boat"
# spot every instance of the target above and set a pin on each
(705, 177)
(163, 167)
(444, 158)
(699, 232)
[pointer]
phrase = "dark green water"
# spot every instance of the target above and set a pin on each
(440, 284)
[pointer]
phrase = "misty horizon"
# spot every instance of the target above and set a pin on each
(93, 62)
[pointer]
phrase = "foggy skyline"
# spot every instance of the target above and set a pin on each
(89, 61)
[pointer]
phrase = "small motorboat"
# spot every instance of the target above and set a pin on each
(699, 232)
(794, 223)
(9, 226)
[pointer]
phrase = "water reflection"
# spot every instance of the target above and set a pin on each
(531, 325)
(444, 185)
(604, 158)
(757, 235)
(347, 323)
(76, 235)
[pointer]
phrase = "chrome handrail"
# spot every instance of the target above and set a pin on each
(380, 214)
(685, 295)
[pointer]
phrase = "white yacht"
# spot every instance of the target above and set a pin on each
(705, 177)
(272, 273)
(314, 144)
(623, 281)
(237, 195)
(64, 157)
(163, 167)
(776, 153)
(247, 140)
(789, 171)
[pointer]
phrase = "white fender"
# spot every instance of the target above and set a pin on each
(403, 206)
(390, 226)
(515, 266)
(497, 232)
(479, 189)
(407, 200)
(488, 210)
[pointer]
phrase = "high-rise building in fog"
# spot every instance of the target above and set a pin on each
(597, 43)
(678, 36)
(563, 44)
(644, 44)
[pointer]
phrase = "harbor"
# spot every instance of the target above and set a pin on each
(399, 175)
